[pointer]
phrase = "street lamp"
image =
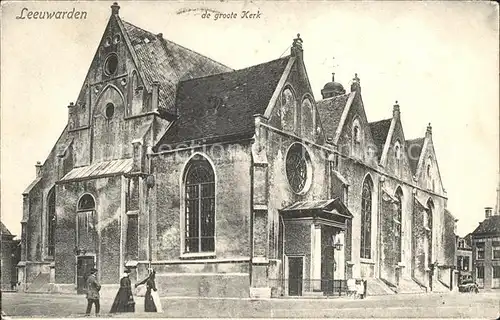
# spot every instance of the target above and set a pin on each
(337, 246)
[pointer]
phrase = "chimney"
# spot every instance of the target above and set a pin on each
(296, 50)
(356, 83)
(395, 111)
(487, 212)
(428, 132)
(38, 169)
(115, 8)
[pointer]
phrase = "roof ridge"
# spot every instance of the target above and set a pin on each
(237, 70)
(195, 52)
(414, 139)
(175, 43)
(334, 97)
(133, 25)
(378, 121)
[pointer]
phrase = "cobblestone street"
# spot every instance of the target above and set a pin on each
(450, 305)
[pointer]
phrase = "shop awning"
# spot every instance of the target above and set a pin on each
(332, 210)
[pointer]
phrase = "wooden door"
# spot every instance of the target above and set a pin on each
(295, 276)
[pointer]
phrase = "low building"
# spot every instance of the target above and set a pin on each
(11, 255)
(464, 254)
(486, 251)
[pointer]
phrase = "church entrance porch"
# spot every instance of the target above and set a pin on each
(313, 236)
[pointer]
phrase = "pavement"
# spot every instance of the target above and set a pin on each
(485, 305)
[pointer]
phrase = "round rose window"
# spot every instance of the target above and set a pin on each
(111, 64)
(298, 168)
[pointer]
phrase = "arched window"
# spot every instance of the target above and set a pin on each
(51, 222)
(430, 212)
(356, 137)
(366, 219)
(288, 110)
(85, 224)
(398, 218)
(199, 223)
(86, 203)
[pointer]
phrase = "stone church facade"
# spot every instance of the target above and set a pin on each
(231, 182)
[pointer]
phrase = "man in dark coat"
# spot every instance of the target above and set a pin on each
(93, 288)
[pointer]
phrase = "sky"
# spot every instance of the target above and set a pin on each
(439, 60)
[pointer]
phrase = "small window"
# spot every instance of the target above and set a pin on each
(86, 203)
(496, 272)
(480, 272)
(480, 251)
(355, 135)
(107, 42)
(110, 110)
(111, 64)
(495, 250)
(116, 38)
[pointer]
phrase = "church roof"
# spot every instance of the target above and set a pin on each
(414, 147)
(379, 130)
(490, 225)
(330, 111)
(99, 170)
(224, 105)
(167, 62)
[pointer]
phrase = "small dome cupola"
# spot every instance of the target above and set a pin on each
(332, 89)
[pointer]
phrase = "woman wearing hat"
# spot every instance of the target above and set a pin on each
(124, 300)
(151, 299)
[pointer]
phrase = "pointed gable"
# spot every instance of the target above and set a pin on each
(380, 130)
(166, 62)
(330, 112)
(414, 147)
(224, 105)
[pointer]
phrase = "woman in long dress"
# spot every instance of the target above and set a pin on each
(124, 300)
(150, 305)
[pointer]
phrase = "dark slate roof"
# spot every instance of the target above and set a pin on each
(4, 230)
(414, 147)
(379, 130)
(167, 62)
(330, 111)
(490, 225)
(224, 105)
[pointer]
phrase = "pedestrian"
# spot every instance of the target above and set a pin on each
(151, 298)
(93, 288)
(124, 300)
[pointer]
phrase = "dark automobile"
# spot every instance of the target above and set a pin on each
(468, 285)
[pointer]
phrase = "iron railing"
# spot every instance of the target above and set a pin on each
(305, 287)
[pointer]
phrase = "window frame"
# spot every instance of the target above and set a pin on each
(495, 248)
(307, 163)
(398, 222)
(366, 224)
(51, 222)
(192, 161)
(480, 247)
(90, 210)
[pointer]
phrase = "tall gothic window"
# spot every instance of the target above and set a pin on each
(398, 218)
(430, 211)
(51, 222)
(85, 223)
(200, 207)
(366, 219)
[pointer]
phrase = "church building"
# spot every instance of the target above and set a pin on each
(232, 183)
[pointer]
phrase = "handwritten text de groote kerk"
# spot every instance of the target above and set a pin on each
(231, 15)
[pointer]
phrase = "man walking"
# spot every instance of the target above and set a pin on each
(93, 288)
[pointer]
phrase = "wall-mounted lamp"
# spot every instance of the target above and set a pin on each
(150, 181)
